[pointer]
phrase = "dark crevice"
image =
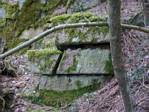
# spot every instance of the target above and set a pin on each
(57, 63)
(102, 45)
(80, 74)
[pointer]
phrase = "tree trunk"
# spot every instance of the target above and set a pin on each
(116, 52)
(146, 12)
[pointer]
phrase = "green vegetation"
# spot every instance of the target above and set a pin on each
(108, 67)
(11, 11)
(41, 53)
(2, 22)
(61, 98)
(46, 64)
(81, 33)
(78, 84)
(30, 15)
(35, 110)
(42, 57)
(72, 67)
(74, 18)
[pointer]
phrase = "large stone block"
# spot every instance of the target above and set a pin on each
(61, 83)
(43, 61)
(83, 35)
(80, 35)
(84, 61)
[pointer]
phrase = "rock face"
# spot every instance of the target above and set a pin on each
(86, 61)
(82, 55)
(30, 33)
(82, 36)
(63, 82)
(44, 60)
(2, 12)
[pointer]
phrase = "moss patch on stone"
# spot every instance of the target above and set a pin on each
(11, 11)
(43, 58)
(74, 18)
(72, 67)
(61, 98)
(2, 22)
(41, 53)
(17, 20)
(81, 34)
(108, 66)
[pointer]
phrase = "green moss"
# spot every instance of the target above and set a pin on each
(61, 98)
(78, 84)
(30, 15)
(11, 10)
(50, 44)
(46, 64)
(73, 33)
(83, 17)
(51, 4)
(35, 110)
(41, 53)
(72, 67)
(13, 42)
(83, 35)
(74, 18)
(59, 19)
(104, 29)
(77, 32)
(108, 66)
(2, 22)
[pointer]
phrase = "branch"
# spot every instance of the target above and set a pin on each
(65, 26)
(143, 29)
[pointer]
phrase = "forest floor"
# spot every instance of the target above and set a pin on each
(109, 99)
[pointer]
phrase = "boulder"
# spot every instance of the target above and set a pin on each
(84, 61)
(82, 36)
(62, 83)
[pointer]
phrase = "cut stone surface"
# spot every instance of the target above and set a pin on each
(83, 36)
(84, 61)
(62, 83)
(43, 61)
